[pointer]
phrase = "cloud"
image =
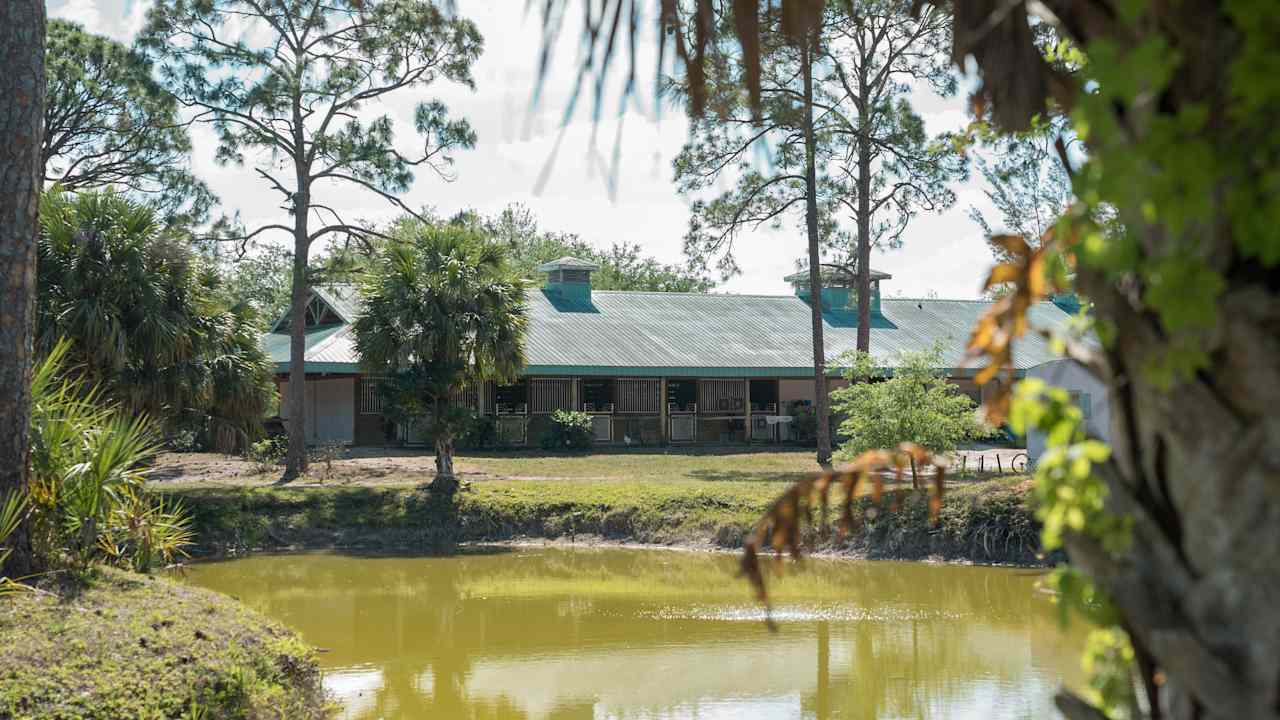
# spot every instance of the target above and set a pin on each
(85, 12)
(942, 253)
(136, 18)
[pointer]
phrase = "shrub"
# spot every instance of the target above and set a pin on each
(143, 531)
(183, 440)
(804, 424)
(267, 453)
(480, 434)
(570, 430)
(916, 404)
(147, 320)
(13, 507)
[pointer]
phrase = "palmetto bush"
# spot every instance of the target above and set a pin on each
(88, 463)
(147, 320)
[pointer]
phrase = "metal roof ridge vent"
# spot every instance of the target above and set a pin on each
(569, 279)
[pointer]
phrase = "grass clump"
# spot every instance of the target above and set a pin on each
(114, 644)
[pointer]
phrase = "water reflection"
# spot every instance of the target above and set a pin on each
(565, 633)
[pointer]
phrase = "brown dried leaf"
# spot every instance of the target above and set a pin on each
(1015, 245)
(784, 522)
(1001, 274)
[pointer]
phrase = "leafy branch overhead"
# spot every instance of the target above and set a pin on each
(1018, 81)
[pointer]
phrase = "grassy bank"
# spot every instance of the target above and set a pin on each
(124, 645)
(980, 522)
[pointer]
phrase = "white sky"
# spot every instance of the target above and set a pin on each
(942, 254)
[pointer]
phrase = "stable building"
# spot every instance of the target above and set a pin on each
(650, 367)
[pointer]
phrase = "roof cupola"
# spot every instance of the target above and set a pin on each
(839, 288)
(569, 278)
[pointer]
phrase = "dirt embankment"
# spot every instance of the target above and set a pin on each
(986, 522)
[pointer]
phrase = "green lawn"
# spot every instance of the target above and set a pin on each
(650, 465)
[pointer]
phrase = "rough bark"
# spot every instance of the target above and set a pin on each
(445, 479)
(1196, 466)
(22, 93)
(296, 457)
(864, 232)
(821, 403)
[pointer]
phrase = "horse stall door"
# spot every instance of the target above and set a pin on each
(332, 410)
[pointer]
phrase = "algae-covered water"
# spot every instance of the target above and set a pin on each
(560, 633)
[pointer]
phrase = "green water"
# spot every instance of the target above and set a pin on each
(557, 633)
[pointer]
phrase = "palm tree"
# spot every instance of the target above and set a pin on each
(145, 318)
(441, 304)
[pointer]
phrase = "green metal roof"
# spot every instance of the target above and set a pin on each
(342, 299)
(332, 346)
(684, 334)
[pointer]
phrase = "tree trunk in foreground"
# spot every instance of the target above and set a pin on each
(820, 402)
(1197, 466)
(22, 92)
(1195, 459)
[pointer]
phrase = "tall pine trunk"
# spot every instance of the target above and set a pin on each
(22, 93)
(296, 457)
(864, 234)
(821, 402)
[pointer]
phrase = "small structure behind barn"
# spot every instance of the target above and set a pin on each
(1087, 392)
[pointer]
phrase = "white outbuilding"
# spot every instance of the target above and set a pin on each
(1087, 392)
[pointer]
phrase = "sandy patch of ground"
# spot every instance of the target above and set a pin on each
(360, 466)
(398, 466)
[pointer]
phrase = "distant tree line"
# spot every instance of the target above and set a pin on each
(261, 276)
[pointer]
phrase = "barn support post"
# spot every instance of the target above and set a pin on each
(664, 431)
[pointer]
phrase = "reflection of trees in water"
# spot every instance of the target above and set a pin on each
(926, 631)
(931, 668)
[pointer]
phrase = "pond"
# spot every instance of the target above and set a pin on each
(558, 633)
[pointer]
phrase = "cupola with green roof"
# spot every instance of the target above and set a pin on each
(569, 278)
(839, 288)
